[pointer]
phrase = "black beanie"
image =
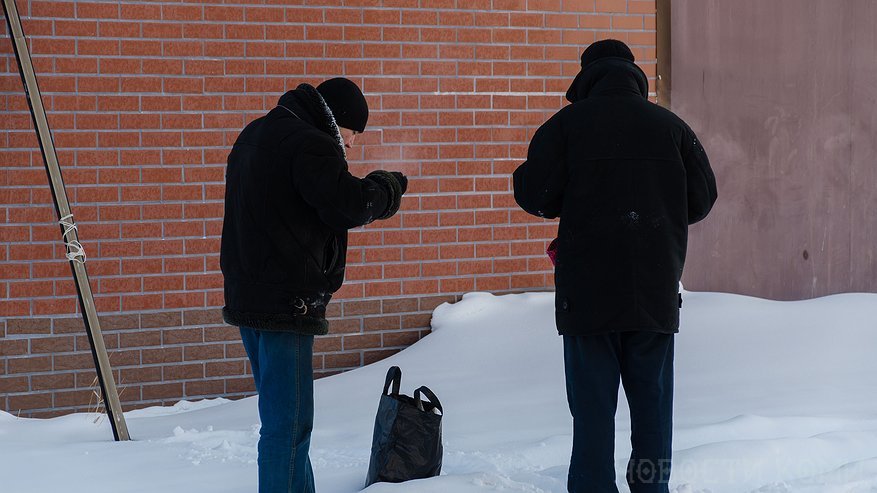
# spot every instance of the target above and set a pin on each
(606, 48)
(346, 101)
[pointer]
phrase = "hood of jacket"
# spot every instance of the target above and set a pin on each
(306, 103)
(609, 76)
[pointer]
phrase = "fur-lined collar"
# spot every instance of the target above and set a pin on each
(318, 111)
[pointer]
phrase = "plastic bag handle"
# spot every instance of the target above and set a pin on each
(432, 398)
(394, 376)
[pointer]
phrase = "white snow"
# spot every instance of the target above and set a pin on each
(771, 397)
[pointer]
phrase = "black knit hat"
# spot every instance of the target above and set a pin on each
(606, 48)
(346, 101)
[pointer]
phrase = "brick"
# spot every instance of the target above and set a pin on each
(204, 388)
(396, 271)
(456, 285)
(9, 385)
(400, 339)
(370, 357)
(200, 30)
(76, 361)
(416, 321)
(343, 360)
(183, 336)
(399, 305)
(13, 347)
(140, 11)
(29, 401)
(366, 307)
(75, 28)
(345, 326)
(361, 341)
(140, 375)
(140, 338)
(162, 355)
(432, 302)
(183, 372)
(119, 29)
(240, 385)
(627, 22)
(221, 333)
(381, 323)
(492, 283)
(265, 14)
(51, 344)
(185, 300)
(641, 7)
(71, 325)
(528, 281)
(162, 391)
(438, 269)
(203, 352)
(224, 368)
(58, 381)
(182, 12)
(28, 326)
(97, 11)
(615, 6)
(242, 31)
(235, 350)
(161, 319)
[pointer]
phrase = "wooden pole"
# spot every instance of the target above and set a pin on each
(68, 228)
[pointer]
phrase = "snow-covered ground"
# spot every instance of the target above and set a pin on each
(771, 397)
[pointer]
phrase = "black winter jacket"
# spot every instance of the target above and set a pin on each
(289, 202)
(626, 177)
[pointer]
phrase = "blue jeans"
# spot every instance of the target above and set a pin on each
(643, 363)
(283, 371)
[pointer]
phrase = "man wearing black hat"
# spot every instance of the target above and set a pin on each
(289, 202)
(626, 178)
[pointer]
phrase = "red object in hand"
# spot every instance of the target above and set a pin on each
(552, 251)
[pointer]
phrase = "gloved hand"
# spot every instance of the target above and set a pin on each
(402, 180)
(395, 184)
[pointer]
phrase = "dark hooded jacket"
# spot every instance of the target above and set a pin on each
(626, 178)
(289, 202)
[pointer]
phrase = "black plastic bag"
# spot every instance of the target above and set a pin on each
(407, 442)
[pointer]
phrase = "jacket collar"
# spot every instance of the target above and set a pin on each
(306, 103)
(610, 76)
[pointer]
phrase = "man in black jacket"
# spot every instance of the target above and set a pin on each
(289, 202)
(626, 178)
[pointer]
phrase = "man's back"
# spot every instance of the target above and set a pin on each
(626, 177)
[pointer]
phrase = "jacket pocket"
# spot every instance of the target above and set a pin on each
(330, 254)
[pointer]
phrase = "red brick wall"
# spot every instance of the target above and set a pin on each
(145, 100)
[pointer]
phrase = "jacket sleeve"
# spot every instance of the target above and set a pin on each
(700, 180)
(342, 200)
(540, 182)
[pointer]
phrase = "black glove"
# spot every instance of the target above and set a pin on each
(402, 180)
(393, 185)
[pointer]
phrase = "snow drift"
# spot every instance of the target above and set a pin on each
(771, 397)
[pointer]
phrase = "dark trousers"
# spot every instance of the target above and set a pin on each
(643, 363)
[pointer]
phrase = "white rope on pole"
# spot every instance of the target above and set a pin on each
(75, 250)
